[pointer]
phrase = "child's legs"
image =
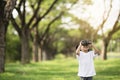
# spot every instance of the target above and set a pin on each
(86, 78)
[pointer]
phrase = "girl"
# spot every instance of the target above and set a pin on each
(85, 57)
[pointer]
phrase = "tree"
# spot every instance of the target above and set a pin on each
(6, 8)
(40, 40)
(106, 37)
(27, 25)
(86, 29)
(44, 38)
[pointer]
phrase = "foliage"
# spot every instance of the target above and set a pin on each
(75, 33)
(66, 40)
(12, 45)
(116, 35)
(60, 56)
(114, 43)
(86, 30)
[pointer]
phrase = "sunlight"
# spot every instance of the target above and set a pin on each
(94, 14)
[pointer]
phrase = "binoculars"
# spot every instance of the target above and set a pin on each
(85, 42)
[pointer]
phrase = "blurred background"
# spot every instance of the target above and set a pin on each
(40, 30)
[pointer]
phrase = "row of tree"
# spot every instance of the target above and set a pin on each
(33, 17)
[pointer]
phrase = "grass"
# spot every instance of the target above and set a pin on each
(108, 70)
(65, 69)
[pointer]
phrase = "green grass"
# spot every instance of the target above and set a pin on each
(65, 69)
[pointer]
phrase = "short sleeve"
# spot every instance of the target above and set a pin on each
(78, 57)
(93, 54)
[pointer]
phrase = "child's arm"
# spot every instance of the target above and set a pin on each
(96, 50)
(78, 49)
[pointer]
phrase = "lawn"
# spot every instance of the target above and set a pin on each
(65, 69)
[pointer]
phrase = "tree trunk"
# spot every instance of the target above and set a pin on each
(39, 54)
(104, 48)
(2, 46)
(6, 7)
(104, 51)
(25, 53)
(3, 28)
(35, 47)
(35, 52)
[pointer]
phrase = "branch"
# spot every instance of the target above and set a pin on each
(16, 26)
(18, 9)
(10, 5)
(49, 25)
(116, 23)
(40, 18)
(104, 20)
(35, 13)
(41, 38)
(20, 3)
(24, 13)
(116, 27)
(19, 13)
(49, 9)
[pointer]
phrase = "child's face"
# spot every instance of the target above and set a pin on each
(85, 48)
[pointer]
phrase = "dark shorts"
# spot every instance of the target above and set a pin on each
(86, 78)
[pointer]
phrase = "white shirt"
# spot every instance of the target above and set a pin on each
(86, 64)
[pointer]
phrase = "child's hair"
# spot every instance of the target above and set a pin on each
(76, 46)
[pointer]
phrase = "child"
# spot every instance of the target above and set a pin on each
(85, 58)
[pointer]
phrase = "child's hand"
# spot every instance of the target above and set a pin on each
(80, 43)
(78, 49)
(90, 45)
